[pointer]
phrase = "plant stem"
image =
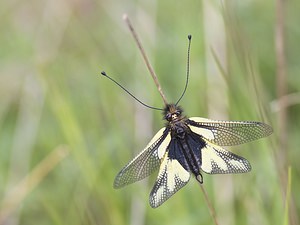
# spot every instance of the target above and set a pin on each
(150, 68)
(209, 205)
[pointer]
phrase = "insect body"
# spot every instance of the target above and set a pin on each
(190, 146)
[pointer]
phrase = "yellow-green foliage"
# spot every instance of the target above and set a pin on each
(65, 131)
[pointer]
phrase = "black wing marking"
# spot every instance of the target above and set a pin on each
(216, 160)
(226, 133)
(145, 162)
(171, 177)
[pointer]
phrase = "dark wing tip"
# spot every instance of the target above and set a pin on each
(268, 129)
(264, 129)
(247, 165)
(119, 182)
(153, 204)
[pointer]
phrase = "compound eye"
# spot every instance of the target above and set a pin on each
(169, 117)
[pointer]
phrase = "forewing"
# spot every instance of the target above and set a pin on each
(146, 162)
(216, 160)
(226, 133)
(171, 177)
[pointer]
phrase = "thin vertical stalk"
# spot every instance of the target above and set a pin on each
(288, 197)
(209, 205)
(150, 68)
(281, 78)
(282, 113)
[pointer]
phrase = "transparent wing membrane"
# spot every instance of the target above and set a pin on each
(146, 162)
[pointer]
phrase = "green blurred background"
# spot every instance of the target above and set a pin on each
(65, 131)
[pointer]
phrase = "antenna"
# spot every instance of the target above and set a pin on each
(148, 106)
(187, 69)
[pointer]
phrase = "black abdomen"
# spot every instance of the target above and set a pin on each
(187, 151)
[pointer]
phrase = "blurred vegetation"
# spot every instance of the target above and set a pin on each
(65, 131)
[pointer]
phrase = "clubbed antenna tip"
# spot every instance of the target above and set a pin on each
(103, 73)
(187, 70)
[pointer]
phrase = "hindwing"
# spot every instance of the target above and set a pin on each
(216, 160)
(171, 177)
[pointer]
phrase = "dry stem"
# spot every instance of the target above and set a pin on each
(210, 206)
(150, 68)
